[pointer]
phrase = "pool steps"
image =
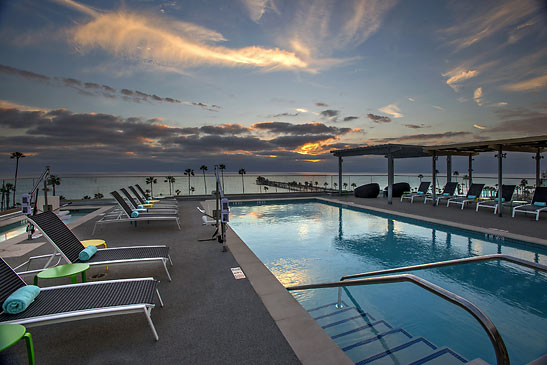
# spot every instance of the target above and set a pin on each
(367, 340)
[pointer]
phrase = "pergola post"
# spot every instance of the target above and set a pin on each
(470, 169)
(449, 168)
(538, 158)
(500, 179)
(340, 174)
(434, 177)
(390, 177)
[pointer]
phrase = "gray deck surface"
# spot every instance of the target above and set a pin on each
(209, 317)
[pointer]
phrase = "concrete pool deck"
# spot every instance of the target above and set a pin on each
(209, 316)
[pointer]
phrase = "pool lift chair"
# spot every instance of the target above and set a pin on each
(64, 303)
(422, 192)
(206, 221)
(448, 192)
(68, 247)
(474, 192)
(538, 204)
(506, 198)
(124, 215)
(148, 208)
(157, 205)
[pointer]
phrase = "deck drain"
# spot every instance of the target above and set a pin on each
(99, 276)
(238, 273)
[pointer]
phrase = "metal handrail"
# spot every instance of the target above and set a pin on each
(502, 356)
(514, 260)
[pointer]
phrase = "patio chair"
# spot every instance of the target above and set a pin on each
(68, 246)
(538, 205)
(474, 192)
(448, 192)
(160, 204)
(422, 192)
(149, 207)
(149, 198)
(64, 303)
(124, 215)
(506, 198)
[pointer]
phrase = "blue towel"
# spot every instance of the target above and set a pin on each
(134, 214)
(540, 204)
(20, 299)
(471, 196)
(146, 202)
(87, 253)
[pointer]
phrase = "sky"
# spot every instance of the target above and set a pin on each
(266, 85)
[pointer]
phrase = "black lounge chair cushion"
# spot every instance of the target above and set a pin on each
(367, 191)
(83, 297)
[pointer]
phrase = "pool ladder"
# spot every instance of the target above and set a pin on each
(502, 357)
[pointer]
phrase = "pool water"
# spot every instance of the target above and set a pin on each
(15, 229)
(314, 242)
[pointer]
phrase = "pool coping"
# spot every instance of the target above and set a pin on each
(13, 248)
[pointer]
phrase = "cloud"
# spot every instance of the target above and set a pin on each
(350, 118)
(423, 137)
(417, 126)
(438, 107)
(520, 121)
(285, 115)
(477, 96)
(96, 90)
(322, 105)
(411, 99)
(392, 110)
(225, 129)
(501, 103)
(479, 126)
(173, 43)
(535, 83)
(301, 129)
(330, 114)
(257, 8)
(379, 118)
(488, 20)
(457, 75)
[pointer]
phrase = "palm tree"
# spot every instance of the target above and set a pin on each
(353, 185)
(326, 184)
(54, 180)
(8, 188)
(177, 192)
(16, 156)
(204, 168)
(87, 197)
(316, 183)
(242, 172)
(265, 189)
(189, 172)
(97, 195)
(345, 186)
(523, 184)
(222, 167)
(151, 180)
(192, 189)
(420, 176)
(171, 181)
(456, 174)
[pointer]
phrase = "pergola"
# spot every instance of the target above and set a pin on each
(536, 145)
(390, 151)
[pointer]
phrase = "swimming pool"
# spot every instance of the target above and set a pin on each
(17, 228)
(312, 242)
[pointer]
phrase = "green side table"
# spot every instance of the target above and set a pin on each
(62, 271)
(10, 334)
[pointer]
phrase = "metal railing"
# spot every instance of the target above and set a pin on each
(502, 356)
(493, 334)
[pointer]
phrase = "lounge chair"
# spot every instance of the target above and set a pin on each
(149, 198)
(66, 303)
(143, 201)
(124, 215)
(148, 207)
(474, 192)
(422, 192)
(538, 205)
(506, 198)
(448, 192)
(68, 246)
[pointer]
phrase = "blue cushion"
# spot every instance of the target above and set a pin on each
(446, 194)
(134, 214)
(540, 204)
(502, 199)
(87, 253)
(420, 192)
(472, 196)
(20, 299)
